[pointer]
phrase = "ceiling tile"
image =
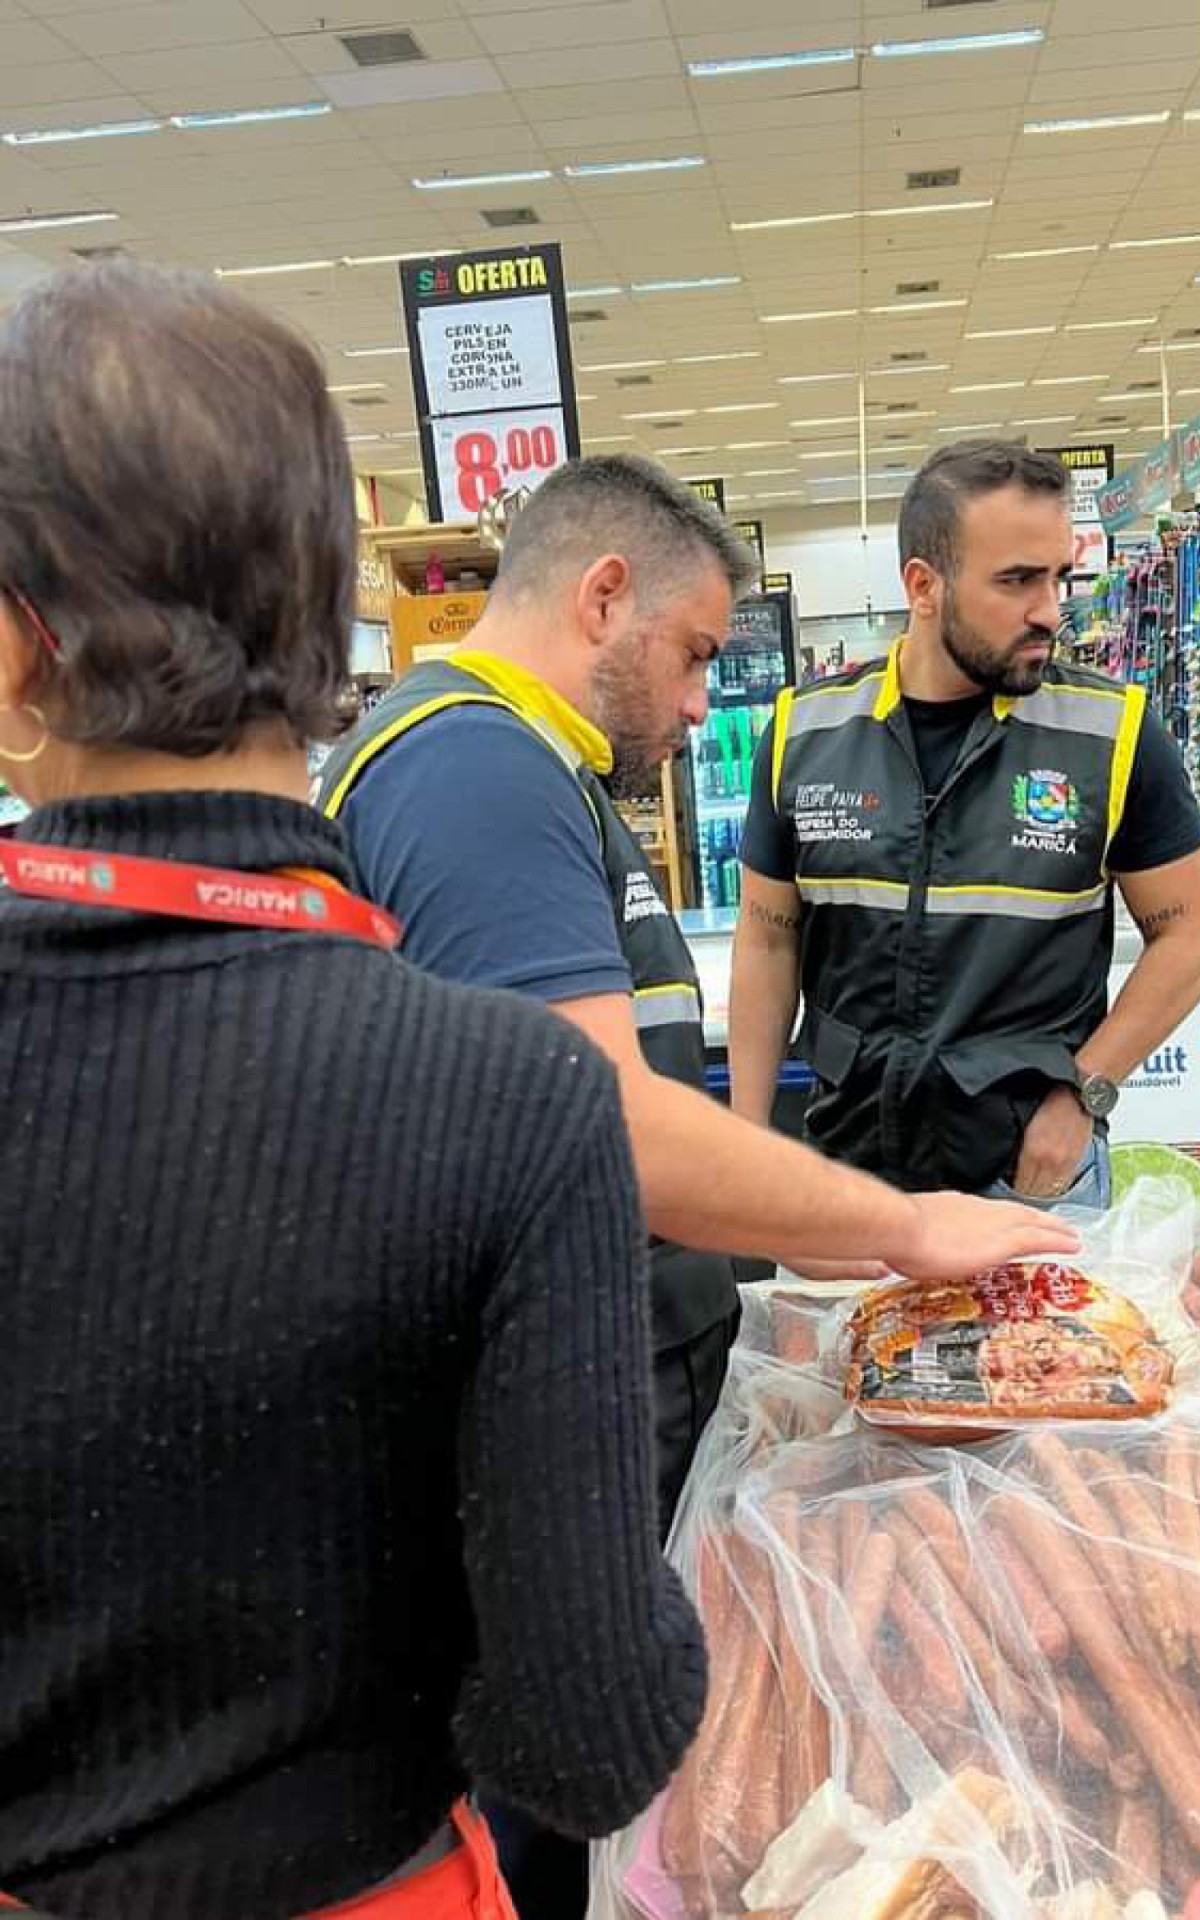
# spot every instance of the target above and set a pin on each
(438, 40)
(252, 61)
(52, 86)
(633, 61)
(157, 29)
(437, 80)
(598, 23)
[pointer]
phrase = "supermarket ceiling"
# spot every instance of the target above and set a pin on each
(924, 216)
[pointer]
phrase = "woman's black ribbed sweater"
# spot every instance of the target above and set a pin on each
(325, 1475)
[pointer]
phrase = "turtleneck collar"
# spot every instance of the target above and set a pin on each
(251, 832)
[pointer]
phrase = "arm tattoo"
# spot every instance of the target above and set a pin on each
(767, 917)
(1154, 923)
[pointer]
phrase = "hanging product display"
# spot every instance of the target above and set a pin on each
(1142, 624)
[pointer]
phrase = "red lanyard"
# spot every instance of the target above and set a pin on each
(309, 904)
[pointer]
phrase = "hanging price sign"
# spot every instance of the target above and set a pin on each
(491, 361)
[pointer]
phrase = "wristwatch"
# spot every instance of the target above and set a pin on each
(1096, 1095)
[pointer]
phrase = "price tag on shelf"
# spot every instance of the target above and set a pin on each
(481, 455)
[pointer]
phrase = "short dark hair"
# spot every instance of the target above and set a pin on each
(177, 503)
(620, 503)
(929, 512)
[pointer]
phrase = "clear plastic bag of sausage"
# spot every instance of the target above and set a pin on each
(951, 1683)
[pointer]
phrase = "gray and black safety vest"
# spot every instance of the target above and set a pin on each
(691, 1291)
(955, 952)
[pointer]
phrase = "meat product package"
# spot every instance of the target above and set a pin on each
(1100, 1337)
(947, 1682)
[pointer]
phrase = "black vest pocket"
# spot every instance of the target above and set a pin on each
(829, 1046)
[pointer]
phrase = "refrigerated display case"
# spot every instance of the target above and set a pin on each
(757, 661)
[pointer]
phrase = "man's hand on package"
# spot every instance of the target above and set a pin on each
(1056, 1140)
(955, 1234)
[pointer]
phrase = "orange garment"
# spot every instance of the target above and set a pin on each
(466, 1885)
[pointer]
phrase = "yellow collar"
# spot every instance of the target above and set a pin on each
(891, 692)
(538, 702)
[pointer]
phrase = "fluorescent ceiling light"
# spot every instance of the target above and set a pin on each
(959, 43)
(282, 266)
(687, 286)
(398, 473)
(686, 452)
(834, 453)
(753, 446)
(771, 473)
(863, 213)
(821, 313)
(917, 306)
(1108, 326)
(609, 439)
(706, 359)
(888, 446)
(391, 259)
(827, 420)
(771, 62)
(1047, 420)
(1100, 123)
(251, 116)
(1073, 380)
(928, 206)
(1174, 346)
(811, 379)
(917, 413)
(361, 386)
(662, 413)
(988, 386)
(354, 439)
(974, 426)
(483, 179)
(107, 130)
(1140, 393)
(776, 493)
(621, 366)
(370, 353)
(792, 220)
(1047, 253)
(27, 222)
(888, 373)
(597, 169)
(1008, 333)
(1161, 240)
(747, 406)
(593, 293)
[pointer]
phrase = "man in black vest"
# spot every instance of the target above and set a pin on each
(935, 838)
(478, 798)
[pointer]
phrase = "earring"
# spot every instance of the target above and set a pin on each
(34, 753)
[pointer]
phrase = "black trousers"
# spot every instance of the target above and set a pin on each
(548, 1875)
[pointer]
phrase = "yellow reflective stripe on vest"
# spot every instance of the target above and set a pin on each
(1015, 903)
(1123, 758)
(815, 709)
(783, 711)
(670, 1005)
(886, 896)
(1092, 710)
(385, 736)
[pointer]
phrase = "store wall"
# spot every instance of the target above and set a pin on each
(825, 555)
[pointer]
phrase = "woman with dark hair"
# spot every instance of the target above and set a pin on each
(325, 1469)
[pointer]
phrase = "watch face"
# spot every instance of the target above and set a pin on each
(1099, 1096)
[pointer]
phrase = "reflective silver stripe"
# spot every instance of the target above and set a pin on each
(1012, 903)
(677, 1006)
(816, 708)
(1072, 710)
(886, 896)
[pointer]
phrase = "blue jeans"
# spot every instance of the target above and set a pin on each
(1091, 1186)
